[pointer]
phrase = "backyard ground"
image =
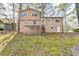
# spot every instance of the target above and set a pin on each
(41, 45)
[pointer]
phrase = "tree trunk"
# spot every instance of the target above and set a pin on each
(42, 10)
(13, 13)
(19, 17)
(65, 21)
(77, 11)
(13, 23)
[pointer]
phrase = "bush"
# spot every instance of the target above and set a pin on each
(76, 30)
(1, 29)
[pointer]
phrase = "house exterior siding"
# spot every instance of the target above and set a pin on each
(30, 24)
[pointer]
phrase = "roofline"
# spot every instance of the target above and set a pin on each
(52, 17)
(31, 20)
(40, 13)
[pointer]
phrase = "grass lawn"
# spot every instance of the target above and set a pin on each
(36, 45)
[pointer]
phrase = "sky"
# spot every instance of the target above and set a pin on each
(9, 13)
(39, 1)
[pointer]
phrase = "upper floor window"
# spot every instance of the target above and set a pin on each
(23, 14)
(34, 13)
(57, 20)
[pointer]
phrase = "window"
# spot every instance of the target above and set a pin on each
(51, 27)
(34, 14)
(23, 14)
(34, 22)
(57, 20)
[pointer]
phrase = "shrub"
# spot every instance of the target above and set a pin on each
(76, 30)
(1, 29)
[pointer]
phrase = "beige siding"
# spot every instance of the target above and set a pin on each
(48, 24)
(32, 22)
(29, 15)
(60, 24)
(52, 23)
(27, 25)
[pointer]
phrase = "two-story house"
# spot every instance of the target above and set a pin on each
(31, 22)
